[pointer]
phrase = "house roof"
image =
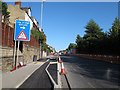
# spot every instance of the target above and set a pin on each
(26, 9)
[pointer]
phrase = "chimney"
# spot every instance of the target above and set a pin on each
(18, 3)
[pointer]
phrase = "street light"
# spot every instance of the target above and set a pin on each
(42, 6)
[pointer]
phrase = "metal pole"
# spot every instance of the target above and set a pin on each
(17, 51)
(14, 54)
(41, 13)
(40, 49)
(42, 3)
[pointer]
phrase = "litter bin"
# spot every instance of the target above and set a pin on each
(35, 58)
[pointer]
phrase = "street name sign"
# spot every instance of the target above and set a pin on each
(22, 30)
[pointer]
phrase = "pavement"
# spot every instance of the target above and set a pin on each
(0, 80)
(16, 78)
(33, 75)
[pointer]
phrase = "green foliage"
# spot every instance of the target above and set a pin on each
(49, 50)
(95, 41)
(113, 40)
(93, 31)
(0, 6)
(38, 35)
(78, 39)
(5, 13)
(115, 30)
(71, 46)
(41, 39)
(4, 9)
(35, 33)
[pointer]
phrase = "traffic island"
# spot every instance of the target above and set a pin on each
(52, 69)
(39, 79)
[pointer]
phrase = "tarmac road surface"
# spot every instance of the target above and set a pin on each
(85, 73)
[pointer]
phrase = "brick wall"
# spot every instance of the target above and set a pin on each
(8, 38)
(111, 59)
(0, 36)
(30, 49)
(33, 42)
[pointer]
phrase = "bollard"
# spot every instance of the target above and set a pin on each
(62, 69)
(59, 60)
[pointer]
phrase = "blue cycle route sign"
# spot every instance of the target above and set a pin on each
(22, 30)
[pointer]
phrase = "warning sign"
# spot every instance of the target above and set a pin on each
(22, 30)
(22, 36)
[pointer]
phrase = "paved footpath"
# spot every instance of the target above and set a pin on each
(16, 78)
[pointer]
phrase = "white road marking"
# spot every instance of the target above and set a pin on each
(51, 78)
(74, 69)
(91, 85)
(78, 67)
(81, 76)
(29, 75)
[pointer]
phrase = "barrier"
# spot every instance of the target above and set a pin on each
(62, 69)
(59, 60)
(21, 65)
(13, 69)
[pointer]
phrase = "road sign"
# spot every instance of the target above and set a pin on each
(22, 30)
(22, 36)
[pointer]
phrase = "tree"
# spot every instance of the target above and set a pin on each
(40, 36)
(5, 13)
(114, 37)
(95, 41)
(79, 41)
(93, 36)
(0, 6)
(71, 46)
(93, 31)
(115, 30)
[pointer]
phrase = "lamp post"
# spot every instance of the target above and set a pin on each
(41, 20)
(42, 7)
(40, 48)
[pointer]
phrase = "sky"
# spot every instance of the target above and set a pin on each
(62, 21)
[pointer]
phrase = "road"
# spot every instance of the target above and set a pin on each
(85, 73)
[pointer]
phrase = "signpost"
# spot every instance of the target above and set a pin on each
(22, 33)
(22, 30)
